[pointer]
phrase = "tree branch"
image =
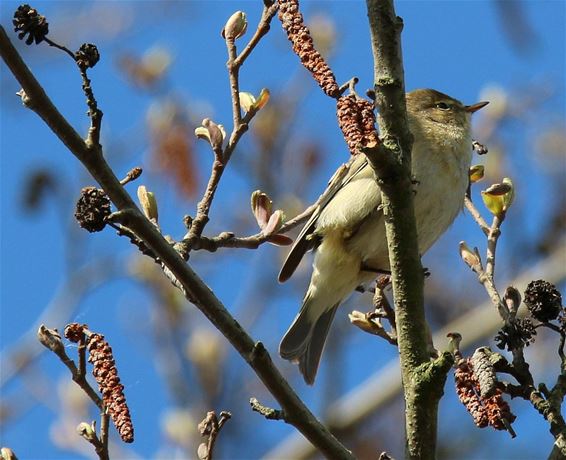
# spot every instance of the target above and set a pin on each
(194, 288)
(391, 159)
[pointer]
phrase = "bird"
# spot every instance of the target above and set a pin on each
(347, 230)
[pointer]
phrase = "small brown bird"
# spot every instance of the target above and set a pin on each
(347, 230)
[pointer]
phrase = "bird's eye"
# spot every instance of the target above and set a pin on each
(442, 106)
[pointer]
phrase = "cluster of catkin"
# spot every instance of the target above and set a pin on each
(356, 117)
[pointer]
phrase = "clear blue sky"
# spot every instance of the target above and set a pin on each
(458, 47)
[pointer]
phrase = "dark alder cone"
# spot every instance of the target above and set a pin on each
(27, 21)
(356, 120)
(87, 55)
(543, 300)
(92, 209)
(303, 46)
(106, 375)
(518, 334)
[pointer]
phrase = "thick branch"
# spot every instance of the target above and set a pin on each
(391, 160)
(196, 290)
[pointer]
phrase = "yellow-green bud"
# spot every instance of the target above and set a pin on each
(476, 173)
(496, 198)
(262, 99)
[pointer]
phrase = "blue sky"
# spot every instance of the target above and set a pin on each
(458, 47)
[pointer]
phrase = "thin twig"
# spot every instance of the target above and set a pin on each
(104, 424)
(51, 339)
(262, 28)
(121, 230)
(94, 113)
(132, 175)
(234, 77)
(381, 303)
(203, 207)
(210, 427)
(470, 206)
(268, 412)
(61, 47)
(492, 238)
(371, 321)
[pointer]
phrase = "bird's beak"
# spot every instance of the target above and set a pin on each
(476, 107)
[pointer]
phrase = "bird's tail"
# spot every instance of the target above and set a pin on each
(304, 341)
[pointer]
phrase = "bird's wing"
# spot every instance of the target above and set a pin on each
(304, 242)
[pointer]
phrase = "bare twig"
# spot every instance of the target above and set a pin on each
(476, 215)
(492, 239)
(60, 47)
(268, 412)
(210, 427)
(104, 423)
(262, 28)
(94, 113)
(132, 175)
(381, 303)
(234, 76)
(51, 339)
